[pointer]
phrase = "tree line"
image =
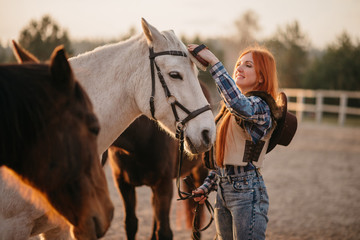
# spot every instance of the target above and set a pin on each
(336, 67)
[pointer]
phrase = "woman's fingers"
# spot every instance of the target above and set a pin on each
(202, 198)
(191, 47)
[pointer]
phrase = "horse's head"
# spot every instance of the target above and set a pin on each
(170, 57)
(76, 140)
(61, 158)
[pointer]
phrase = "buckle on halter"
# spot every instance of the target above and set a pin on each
(180, 126)
(171, 99)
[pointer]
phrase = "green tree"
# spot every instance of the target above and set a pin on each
(84, 45)
(290, 48)
(3, 56)
(338, 68)
(40, 38)
(6, 55)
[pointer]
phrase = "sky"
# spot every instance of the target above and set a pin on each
(321, 20)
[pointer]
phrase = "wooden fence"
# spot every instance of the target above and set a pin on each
(303, 100)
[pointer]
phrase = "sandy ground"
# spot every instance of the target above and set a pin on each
(313, 186)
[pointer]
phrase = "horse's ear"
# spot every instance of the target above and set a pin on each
(22, 55)
(61, 70)
(151, 32)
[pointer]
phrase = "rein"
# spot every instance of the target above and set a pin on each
(180, 124)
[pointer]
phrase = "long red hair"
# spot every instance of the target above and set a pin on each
(265, 68)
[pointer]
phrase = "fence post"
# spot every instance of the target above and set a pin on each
(299, 105)
(342, 110)
(319, 106)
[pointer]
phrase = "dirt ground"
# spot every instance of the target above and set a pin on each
(313, 186)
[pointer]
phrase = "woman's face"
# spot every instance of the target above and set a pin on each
(245, 75)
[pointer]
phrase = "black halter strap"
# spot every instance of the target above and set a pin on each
(170, 98)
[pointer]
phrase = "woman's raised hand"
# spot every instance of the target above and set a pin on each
(205, 54)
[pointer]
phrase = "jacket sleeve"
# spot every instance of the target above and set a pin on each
(210, 182)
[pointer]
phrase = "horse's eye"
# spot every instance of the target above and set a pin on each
(93, 124)
(175, 75)
(94, 130)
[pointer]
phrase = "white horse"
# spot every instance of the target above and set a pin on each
(118, 81)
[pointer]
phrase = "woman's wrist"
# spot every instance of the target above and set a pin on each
(214, 61)
(209, 57)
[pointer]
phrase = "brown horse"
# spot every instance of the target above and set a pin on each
(145, 155)
(48, 138)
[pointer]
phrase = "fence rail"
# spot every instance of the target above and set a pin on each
(318, 107)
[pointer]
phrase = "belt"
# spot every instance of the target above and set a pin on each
(233, 170)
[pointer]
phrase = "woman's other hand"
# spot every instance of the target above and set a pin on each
(201, 198)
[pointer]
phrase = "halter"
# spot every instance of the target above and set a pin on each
(180, 124)
(171, 99)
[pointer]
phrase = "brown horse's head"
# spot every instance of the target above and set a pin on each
(48, 137)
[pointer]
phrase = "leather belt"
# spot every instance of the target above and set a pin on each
(234, 170)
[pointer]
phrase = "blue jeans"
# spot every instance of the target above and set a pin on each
(241, 207)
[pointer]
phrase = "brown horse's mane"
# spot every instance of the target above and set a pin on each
(27, 103)
(23, 100)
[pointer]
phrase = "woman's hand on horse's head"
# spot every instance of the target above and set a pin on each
(201, 199)
(205, 54)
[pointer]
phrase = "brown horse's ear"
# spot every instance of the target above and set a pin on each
(23, 56)
(150, 32)
(61, 70)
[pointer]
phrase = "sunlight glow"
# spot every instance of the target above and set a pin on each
(111, 18)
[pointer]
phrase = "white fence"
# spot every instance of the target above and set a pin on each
(318, 107)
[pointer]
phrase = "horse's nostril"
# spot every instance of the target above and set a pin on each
(205, 136)
(111, 214)
(98, 229)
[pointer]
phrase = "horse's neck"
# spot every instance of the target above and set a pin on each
(109, 75)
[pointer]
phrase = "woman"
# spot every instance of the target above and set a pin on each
(243, 134)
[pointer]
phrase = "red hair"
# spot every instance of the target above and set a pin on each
(265, 68)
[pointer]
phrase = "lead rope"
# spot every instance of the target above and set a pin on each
(196, 221)
(185, 195)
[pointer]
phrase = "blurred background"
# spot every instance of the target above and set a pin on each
(316, 43)
(314, 184)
